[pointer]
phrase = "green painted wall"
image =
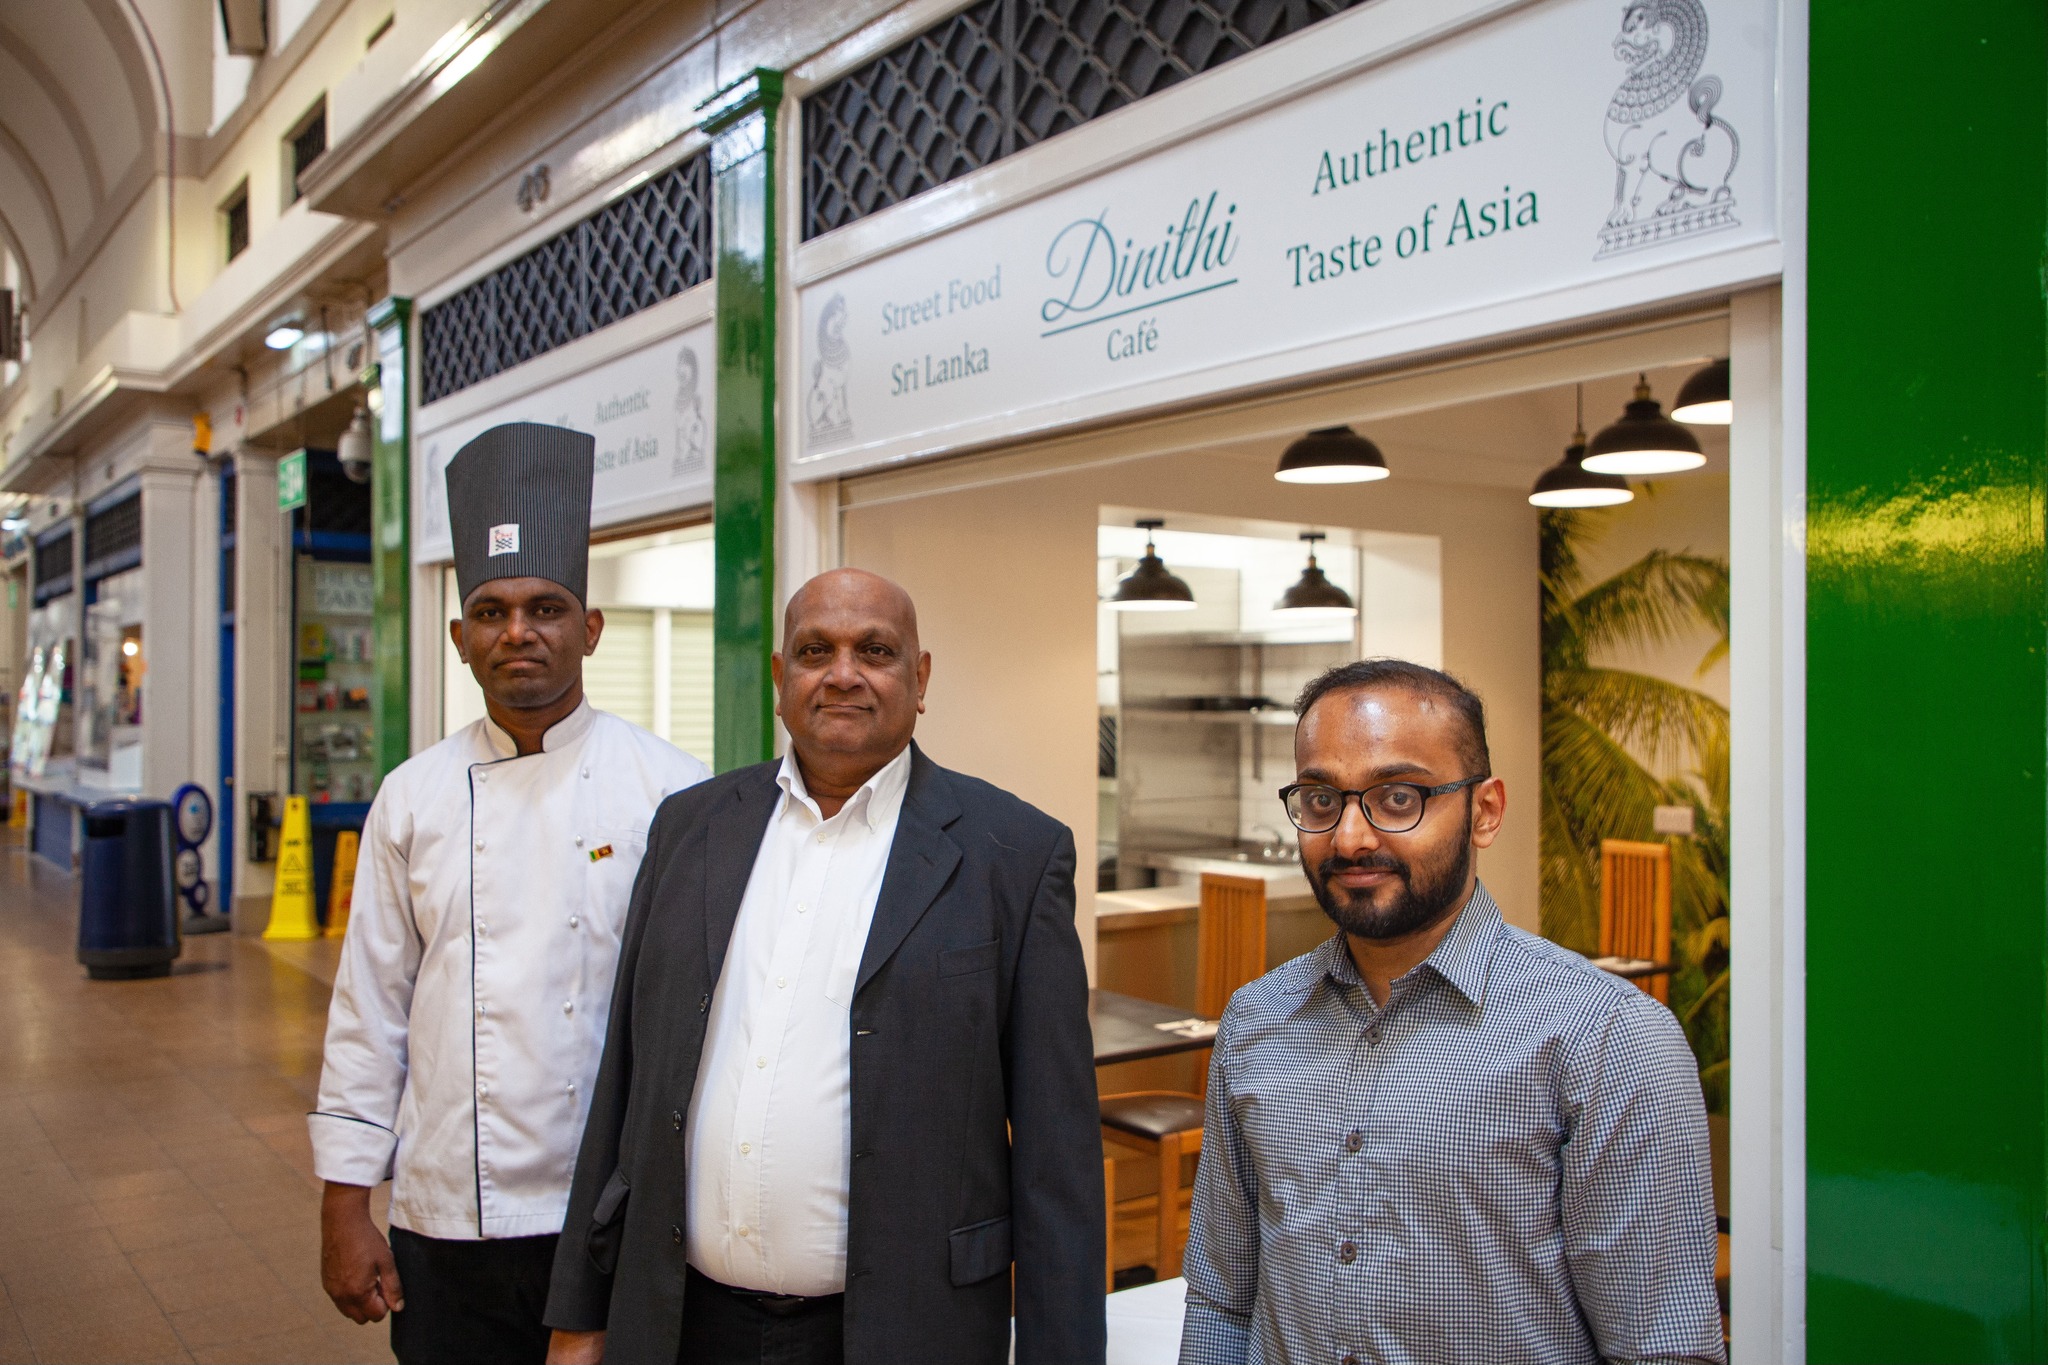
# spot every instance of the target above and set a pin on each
(391, 534)
(741, 122)
(1927, 909)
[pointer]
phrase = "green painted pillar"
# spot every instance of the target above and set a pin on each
(1927, 692)
(741, 122)
(391, 533)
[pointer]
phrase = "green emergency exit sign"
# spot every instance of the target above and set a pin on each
(291, 481)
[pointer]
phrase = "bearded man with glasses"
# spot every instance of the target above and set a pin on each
(1438, 1138)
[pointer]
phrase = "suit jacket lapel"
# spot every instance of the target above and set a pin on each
(921, 860)
(732, 840)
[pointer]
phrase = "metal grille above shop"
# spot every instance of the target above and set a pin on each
(52, 567)
(643, 247)
(1004, 75)
(113, 537)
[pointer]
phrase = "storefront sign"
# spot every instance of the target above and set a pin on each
(291, 481)
(650, 411)
(1566, 143)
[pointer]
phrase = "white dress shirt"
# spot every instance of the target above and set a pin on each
(469, 1013)
(770, 1123)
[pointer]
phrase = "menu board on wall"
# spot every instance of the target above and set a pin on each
(650, 411)
(1565, 143)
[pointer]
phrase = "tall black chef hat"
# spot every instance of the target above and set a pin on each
(519, 506)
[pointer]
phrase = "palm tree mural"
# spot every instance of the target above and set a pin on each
(1618, 743)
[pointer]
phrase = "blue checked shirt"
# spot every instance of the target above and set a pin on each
(1506, 1162)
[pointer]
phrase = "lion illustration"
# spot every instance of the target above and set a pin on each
(1672, 154)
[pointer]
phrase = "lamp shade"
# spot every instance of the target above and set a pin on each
(1703, 399)
(1569, 484)
(1332, 455)
(1644, 441)
(1149, 587)
(1313, 596)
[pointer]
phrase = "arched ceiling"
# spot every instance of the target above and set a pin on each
(80, 122)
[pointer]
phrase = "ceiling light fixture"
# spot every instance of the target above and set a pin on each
(1644, 441)
(1570, 484)
(285, 335)
(1313, 597)
(1149, 587)
(1703, 399)
(1332, 455)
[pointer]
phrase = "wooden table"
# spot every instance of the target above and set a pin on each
(1124, 1028)
(1632, 969)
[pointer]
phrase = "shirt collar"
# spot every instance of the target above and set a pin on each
(877, 802)
(1463, 957)
(564, 732)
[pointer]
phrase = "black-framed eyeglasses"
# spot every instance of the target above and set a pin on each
(1390, 808)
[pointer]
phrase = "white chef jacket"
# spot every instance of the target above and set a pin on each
(767, 1149)
(469, 1013)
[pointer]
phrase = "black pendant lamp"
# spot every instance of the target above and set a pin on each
(1644, 441)
(1332, 455)
(1703, 400)
(1313, 597)
(1569, 484)
(1149, 587)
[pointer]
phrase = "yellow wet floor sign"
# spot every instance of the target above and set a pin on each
(291, 905)
(343, 887)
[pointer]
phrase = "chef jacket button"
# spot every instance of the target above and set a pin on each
(744, 1230)
(483, 1092)
(675, 1234)
(479, 845)
(483, 777)
(586, 772)
(568, 1007)
(578, 841)
(781, 982)
(676, 1118)
(575, 920)
(570, 1088)
(746, 1147)
(482, 1008)
(760, 1062)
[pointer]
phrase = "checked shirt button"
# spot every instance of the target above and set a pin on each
(1354, 1140)
(1347, 1253)
(1352, 1358)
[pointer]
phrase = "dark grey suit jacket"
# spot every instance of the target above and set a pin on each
(975, 1127)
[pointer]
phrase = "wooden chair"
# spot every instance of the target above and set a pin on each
(1635, 906)
(1230, 949)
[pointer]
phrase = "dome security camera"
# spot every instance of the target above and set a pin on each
(353, 450)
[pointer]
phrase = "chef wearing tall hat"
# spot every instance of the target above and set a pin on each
(469, 1013)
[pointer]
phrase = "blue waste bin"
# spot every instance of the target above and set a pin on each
(127, 901)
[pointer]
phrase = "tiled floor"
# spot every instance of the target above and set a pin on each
(157, 1199)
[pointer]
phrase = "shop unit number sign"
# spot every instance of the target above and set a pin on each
(1448, 194)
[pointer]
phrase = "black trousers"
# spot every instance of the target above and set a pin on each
(469, 1302)
(724, 1326)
